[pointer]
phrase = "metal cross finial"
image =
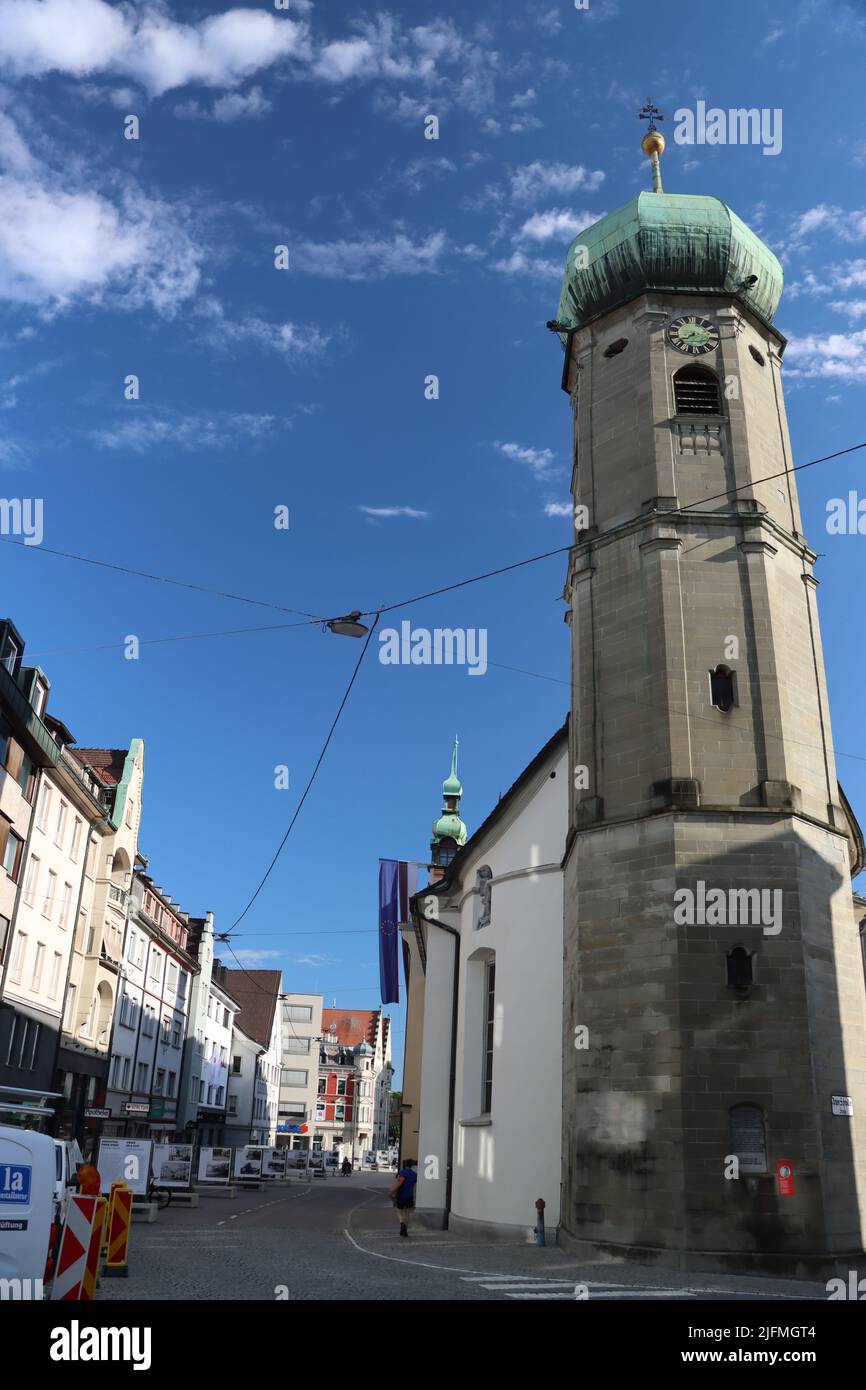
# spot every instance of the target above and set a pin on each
(650, 113)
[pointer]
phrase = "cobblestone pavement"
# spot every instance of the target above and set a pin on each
(337, 1238)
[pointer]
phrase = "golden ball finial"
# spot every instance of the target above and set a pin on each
(653, 142)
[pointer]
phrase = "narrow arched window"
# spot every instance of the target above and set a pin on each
(723, 688)
(739, 966)
(747, 1137)
(696, 392)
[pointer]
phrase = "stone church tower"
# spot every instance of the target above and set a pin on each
(715, 1011)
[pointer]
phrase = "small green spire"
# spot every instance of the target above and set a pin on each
(449, 826)
(451, 786)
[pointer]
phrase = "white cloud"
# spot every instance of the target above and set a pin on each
(853, 308)
(254, 958)
(418, 171)
(384, 513)
(529, 182)
(538, 461)
(521, 100)
(292, 341)
(774, 35)
(85, 38)
(518, 263)
(315, 960)
(833, 355)
(557, 509)
(847, 225)
(371, 258)
(58, 244)
(144, 430)
(556, 222)
(233, 106)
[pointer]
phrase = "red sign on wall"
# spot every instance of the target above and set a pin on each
(785, 1178)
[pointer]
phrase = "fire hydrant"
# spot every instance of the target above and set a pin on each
(539, 1221)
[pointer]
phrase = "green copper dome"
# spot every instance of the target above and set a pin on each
(451, 786)
(667, 241)
(449, 826)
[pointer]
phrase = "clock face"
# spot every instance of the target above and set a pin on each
(692, 335)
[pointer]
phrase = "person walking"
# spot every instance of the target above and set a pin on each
(403, 1193)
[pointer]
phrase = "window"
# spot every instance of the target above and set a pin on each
(323, 1085)
(758, 356)
(148, 1026)
(172, 978)
(175, 1033)
(696, 392)
(296, 1045)
(54, 981)
(60, 828)
(39, 693)
(69, 1011)
(76, 840)
(298, 1013)
(219, 1096)
(166, 1029)
(210, 1094)
(236, 1066)
(141, 1077)
(48, 905)
(159, 1082)
(38, 962)
(31, 878)
(233, 1105)
(124, 1080)
(489, 1015)
(341, 1086)
(723, 689)
(616, 348)
(739, 968)
(115, 1072)
(172, 1078)
(11, 846)
(44, 804)
(66, 907)
(10, 655)
(19, 951)
(291, 1076)
(747, 1137)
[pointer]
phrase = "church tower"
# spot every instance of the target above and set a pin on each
(449, 832)
(715, 1012)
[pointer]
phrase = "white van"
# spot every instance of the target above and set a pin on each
(28, 1175)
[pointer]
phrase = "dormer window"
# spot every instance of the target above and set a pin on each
(696, 392)
(10, 655)
(39, 693)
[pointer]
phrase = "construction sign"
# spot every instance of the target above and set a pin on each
(74, 1247)
(91, 1269)
(119, 1222)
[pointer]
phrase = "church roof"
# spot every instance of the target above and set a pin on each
(671, 242)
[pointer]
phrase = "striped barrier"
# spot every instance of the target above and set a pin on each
(74, 1247)
(91, 1269)
(119, 1221)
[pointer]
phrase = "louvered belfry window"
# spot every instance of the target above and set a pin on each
(696, 392)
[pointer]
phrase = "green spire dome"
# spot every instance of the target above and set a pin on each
(668, 241)
(449, 826)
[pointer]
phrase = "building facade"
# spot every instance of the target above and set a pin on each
(712, 958)
(485, 954)
(151, 1022)
(97, 949)
(354, 1084)
(254, 1078)
(300, 1036)
(203, 1101)
(50, 809)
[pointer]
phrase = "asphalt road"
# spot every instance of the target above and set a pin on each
(337, 1238)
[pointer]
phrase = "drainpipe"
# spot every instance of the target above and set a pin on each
(434, 922)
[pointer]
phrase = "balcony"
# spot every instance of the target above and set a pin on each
(118, 896)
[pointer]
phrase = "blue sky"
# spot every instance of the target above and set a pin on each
(262, 127)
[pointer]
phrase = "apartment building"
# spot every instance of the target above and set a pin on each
(49, 809)
(213, 1009)
(254, 1079)
(150, 1027)
(300, 1035)
(355, 1077)
(97, 952)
